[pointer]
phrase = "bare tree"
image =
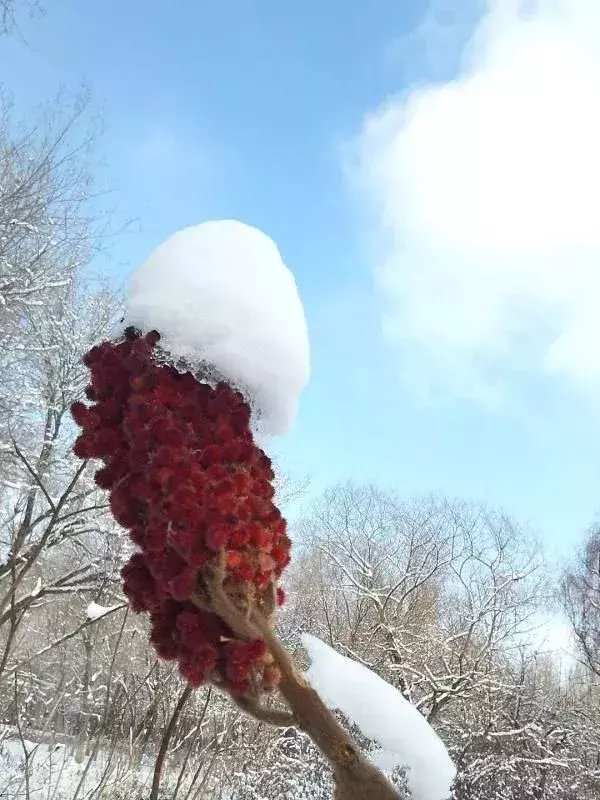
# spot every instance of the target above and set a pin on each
(581, 600)
(46, 230)
(50, 509)
(9, 10)
(428, 592)
(442, 599)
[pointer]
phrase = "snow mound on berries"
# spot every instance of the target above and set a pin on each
(381, 712)
(220, 294)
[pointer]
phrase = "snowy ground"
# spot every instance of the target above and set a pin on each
(40, 767)
(50, 770)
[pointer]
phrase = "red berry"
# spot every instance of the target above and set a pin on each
(234, 559)
(79, 413)
(188, 482)
(104, 478)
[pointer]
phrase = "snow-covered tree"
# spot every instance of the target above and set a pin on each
(56, 538)
(581, 600)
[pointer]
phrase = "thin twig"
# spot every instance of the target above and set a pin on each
(164, 745)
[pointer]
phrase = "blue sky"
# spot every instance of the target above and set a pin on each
(442, 360)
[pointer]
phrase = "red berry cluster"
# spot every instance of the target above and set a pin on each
(195, 492)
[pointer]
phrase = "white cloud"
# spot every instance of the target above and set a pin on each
(486, 200)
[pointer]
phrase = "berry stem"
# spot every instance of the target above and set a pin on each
(355, 777)
(272, 716)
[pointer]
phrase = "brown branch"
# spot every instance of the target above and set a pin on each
(38, 548)
(273, 716)
(34, 475)
(355, 778)
(61, 640)
(164, 745)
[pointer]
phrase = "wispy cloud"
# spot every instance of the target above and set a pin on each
(485, 195)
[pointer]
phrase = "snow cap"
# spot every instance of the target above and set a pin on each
(220, 294)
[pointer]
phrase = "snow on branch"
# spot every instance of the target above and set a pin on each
(95, 611)
(404, 736)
